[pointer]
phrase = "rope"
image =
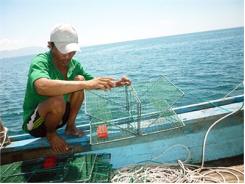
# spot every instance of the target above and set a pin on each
(209, 129)
(174, 174)
(200, 99)
(241, 83)
(4, 136)
(171, 147)
(180, 172)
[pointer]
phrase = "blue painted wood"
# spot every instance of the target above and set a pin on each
(60, 131)
(209, 104)
(35, 143)
(224, 141)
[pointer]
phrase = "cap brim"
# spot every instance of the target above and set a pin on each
(66, 48)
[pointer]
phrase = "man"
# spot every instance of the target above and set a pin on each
(55, 89)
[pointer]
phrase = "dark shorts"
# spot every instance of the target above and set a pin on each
(39, 129)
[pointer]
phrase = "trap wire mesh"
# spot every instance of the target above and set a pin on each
(77, 168)
(118, 110)
(157, 98)
(125, 114)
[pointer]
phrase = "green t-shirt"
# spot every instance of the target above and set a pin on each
(43, 67)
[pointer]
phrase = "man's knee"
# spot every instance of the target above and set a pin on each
(54, 105)
(79, 78)
(58, 105)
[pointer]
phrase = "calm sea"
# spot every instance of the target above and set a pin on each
(205, 66)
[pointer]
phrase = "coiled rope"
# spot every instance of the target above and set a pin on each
(180, 172)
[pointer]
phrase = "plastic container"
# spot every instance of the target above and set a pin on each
(102, 131)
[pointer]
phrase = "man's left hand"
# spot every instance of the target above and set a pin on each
(124, 81)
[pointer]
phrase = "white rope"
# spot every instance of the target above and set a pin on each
(4, 136)
(171, 147)
(209, 129)
(161, 173)
(234, 89)
(181, 173)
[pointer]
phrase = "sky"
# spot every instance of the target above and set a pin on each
(26, 23)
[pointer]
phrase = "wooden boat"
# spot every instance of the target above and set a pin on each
(226, 139)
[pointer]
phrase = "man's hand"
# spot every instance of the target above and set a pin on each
(101, 83)
(124, 81)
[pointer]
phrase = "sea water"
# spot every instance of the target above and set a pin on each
(205, 66)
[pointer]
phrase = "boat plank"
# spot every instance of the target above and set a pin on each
(43, 143)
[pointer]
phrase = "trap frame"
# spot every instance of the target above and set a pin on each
(118, 109)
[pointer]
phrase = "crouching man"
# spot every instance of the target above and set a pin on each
(55, 89)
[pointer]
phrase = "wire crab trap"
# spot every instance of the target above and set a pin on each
(114, 114)
(157, 98)
(76, 168)
(121, 114)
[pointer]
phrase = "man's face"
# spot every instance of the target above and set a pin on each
(62, 59)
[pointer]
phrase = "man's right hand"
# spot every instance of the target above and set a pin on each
(104, 83)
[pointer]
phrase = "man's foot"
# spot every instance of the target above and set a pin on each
(57, 143)
(74, 132)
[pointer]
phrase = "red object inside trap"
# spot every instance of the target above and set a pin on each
(102, 131)
(49, 162)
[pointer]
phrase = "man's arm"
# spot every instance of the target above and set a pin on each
(48, 87)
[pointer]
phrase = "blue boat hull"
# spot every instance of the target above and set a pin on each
(226, 139)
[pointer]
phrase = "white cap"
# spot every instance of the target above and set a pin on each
(65, 38)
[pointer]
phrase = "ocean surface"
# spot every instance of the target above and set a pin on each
(205, 66)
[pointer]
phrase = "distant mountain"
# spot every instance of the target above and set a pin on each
(21, 52)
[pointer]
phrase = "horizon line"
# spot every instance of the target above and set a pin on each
(123, 41)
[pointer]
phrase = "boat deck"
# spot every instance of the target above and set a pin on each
(232, 179)
(236, 163)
